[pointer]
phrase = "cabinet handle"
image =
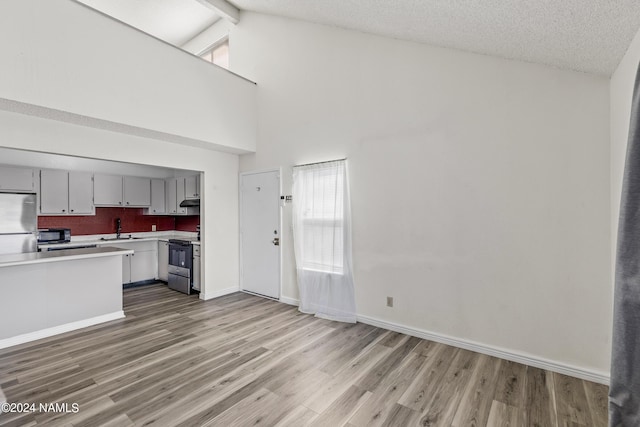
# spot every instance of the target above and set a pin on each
(127, 202)
(71, 210)
(64, 210)
(119, 203)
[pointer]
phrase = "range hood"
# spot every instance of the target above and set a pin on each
(190, 203)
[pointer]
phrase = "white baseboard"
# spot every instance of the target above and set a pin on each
(530, 360)
(67, 327)
(290, 301)
(219, 293)
(537, 362)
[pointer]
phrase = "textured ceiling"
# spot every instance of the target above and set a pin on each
(584, 35)
(174, 21)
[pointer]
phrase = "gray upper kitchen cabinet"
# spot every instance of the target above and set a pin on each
(172, 196)
(137, 191)
(17, 180)
(54, 192)
(66, 193)
(180, 195)
(107, 190)
(158, 197)
(192, 187)
(176, 194)
(115, 190)
(81, 193)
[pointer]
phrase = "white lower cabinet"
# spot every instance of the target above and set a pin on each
(196, 267)
(142, 264)
(163, 260)
(126, 269)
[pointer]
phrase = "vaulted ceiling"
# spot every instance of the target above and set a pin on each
(583, 35)
(174, 21)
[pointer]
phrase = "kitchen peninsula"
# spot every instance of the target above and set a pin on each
(47, 293)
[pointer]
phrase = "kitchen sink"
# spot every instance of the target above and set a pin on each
(111, 239)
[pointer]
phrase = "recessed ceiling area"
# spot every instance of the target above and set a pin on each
(174, 21)
(589, 36)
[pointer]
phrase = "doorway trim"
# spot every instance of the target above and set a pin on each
(240, 211)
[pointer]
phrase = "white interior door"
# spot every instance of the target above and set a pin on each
(260, 232)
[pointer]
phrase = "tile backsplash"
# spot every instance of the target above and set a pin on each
(104, 222)
(187, 223)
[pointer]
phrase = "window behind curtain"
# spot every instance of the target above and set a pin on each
(322, 210)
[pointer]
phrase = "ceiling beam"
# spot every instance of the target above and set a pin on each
(224, 9)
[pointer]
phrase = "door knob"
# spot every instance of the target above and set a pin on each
(276, 241)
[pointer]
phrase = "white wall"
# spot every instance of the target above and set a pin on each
(63, 55)
(621, 90)
(478, 184)
(75, 74)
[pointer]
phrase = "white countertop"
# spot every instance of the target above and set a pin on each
(11, 260)
(139, 237)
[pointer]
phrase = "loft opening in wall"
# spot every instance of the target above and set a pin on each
(218, 53)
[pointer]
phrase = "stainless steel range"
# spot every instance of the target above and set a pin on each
(180, 265)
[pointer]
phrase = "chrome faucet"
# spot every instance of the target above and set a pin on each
(118, 227)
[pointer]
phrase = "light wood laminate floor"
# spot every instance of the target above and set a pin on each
(241, 360)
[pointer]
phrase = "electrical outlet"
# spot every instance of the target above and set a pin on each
(153, 227)
(389, 301)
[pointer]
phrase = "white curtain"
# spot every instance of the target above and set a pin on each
(322, 240)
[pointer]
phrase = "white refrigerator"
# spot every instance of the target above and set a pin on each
(18, 223)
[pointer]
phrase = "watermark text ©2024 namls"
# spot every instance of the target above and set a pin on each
(24, 408)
